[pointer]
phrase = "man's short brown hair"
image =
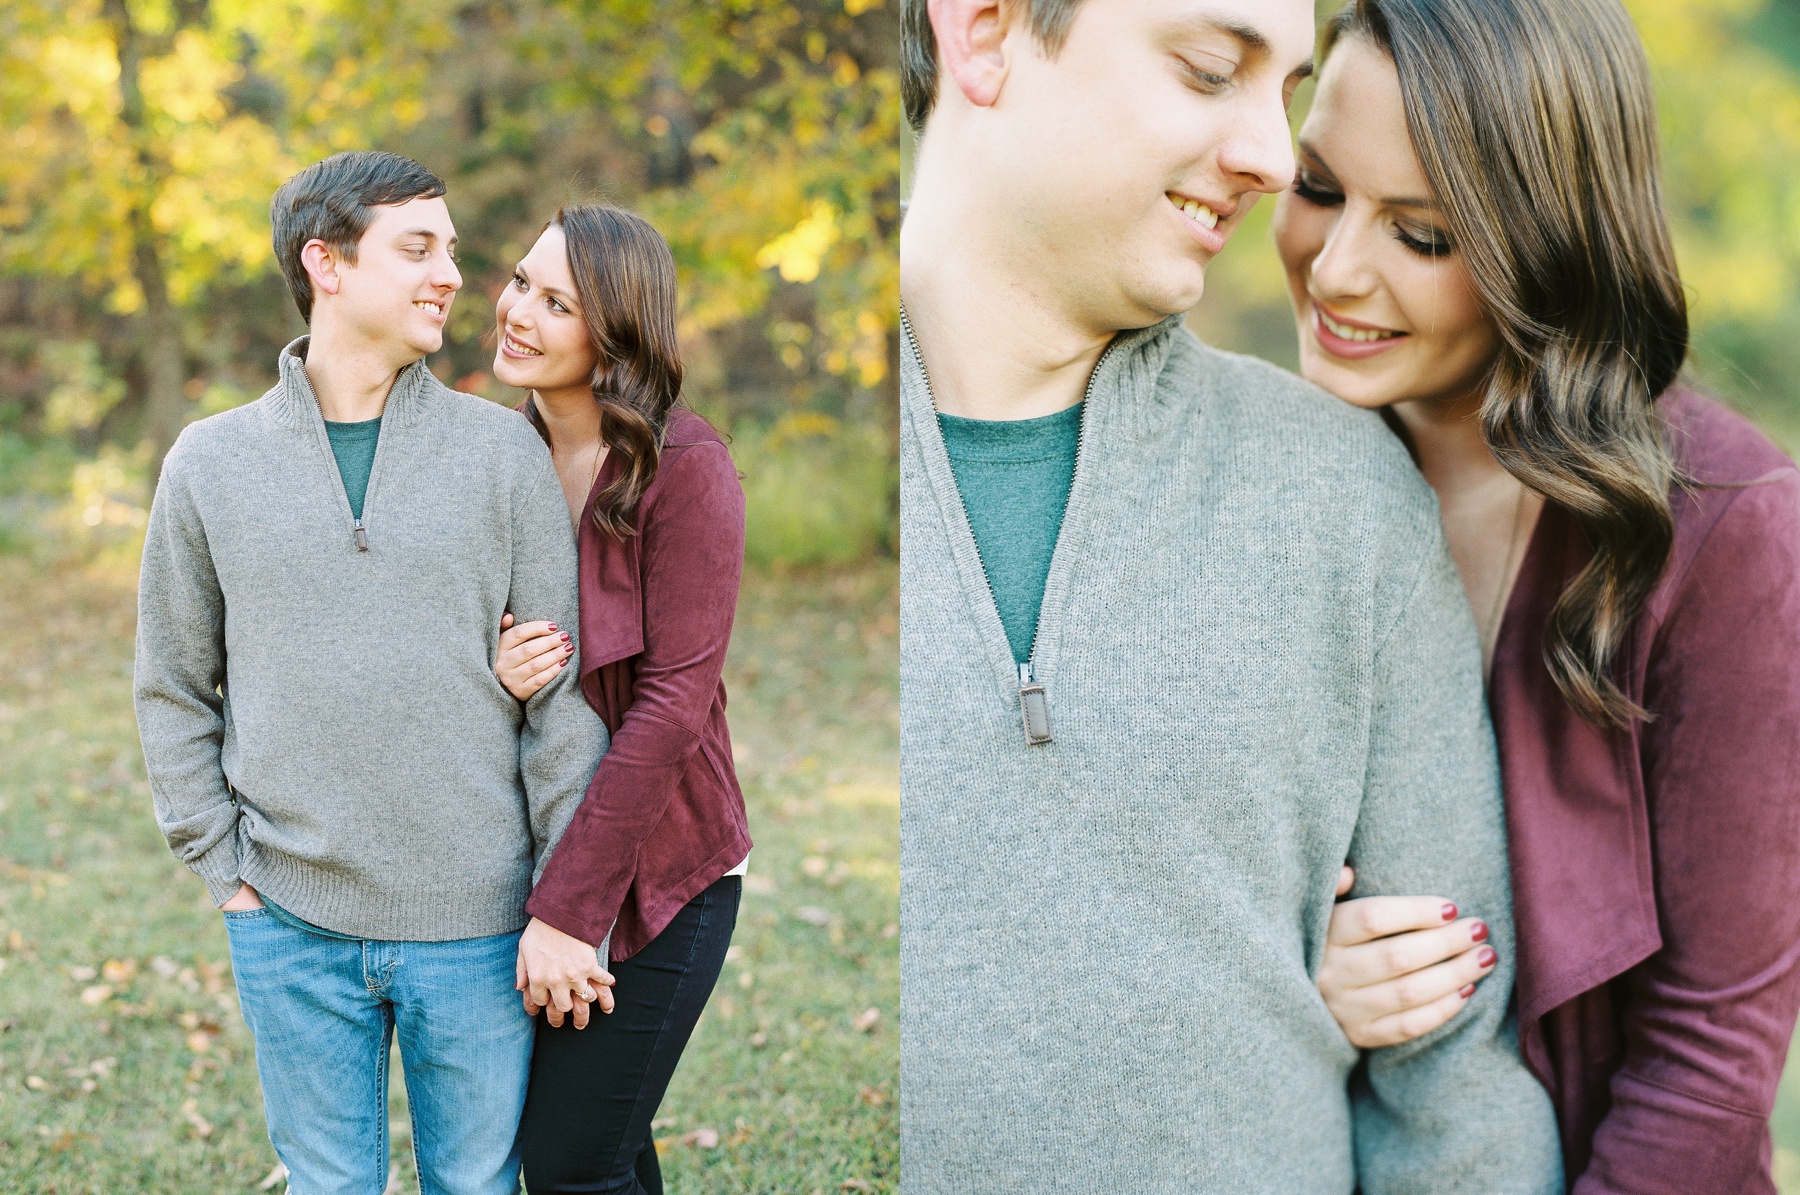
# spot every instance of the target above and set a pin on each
(1050, 21)
(330, 201)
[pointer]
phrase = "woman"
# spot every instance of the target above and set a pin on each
(1476, 247)
(652, 860)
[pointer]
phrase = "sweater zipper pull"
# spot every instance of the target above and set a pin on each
(362, 537)
(1034, 709)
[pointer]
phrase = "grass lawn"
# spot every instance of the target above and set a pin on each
(125, 1067)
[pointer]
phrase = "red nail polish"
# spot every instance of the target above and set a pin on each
(1449, 911)
(1467, 992)
(1487, 957)
(1478, 932)
(553, 626)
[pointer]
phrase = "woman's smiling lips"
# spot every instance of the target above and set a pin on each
(514, 349)
(1351, 339)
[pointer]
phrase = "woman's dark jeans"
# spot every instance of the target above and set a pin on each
(594, 1091)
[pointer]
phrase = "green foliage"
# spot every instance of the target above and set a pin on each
(817, 492)
(141, 140)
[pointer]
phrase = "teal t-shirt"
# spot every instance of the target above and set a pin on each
(1014, 477)
(354, 446)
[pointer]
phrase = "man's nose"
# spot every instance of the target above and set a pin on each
(1261, 150)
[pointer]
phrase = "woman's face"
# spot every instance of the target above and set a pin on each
(544, 342)
(1387, 312)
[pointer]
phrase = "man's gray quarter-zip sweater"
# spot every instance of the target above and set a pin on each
(1256, 662)
(315, 693)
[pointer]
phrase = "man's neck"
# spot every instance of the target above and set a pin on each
(350, 374)
(997, 343)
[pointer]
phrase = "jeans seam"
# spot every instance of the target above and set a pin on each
(687, 970)
(381, 1091)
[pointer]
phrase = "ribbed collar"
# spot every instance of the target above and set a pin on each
(294, 404)
(1122, 389)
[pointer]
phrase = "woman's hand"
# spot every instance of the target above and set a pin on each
(560, 975)
(1397, 967)
(531, 653)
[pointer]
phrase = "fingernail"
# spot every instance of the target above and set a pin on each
(565, 637)
(1478, 932)
(1449, 911)
(1486, 958)
(553, 626)
(1467, 992)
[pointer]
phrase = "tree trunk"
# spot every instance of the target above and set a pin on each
(165, 374)
(165, 400)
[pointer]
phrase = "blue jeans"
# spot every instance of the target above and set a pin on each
(323, 1011)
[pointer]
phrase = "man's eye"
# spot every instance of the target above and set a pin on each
(1204, 81)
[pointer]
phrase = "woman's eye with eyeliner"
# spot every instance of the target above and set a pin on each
(1430, 245)
(519, 281)
(1315, 194)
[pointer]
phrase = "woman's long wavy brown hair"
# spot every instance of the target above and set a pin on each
(625, 279)
(1535, 123)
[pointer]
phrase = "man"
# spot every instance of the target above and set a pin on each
(1179, 636)
(323, 583)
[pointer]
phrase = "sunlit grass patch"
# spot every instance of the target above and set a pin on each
(124, 1065)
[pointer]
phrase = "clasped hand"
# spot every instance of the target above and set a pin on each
(561, 975)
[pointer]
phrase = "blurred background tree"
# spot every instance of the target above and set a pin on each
(140, 141)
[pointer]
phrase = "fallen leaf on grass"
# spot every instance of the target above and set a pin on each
(856, 1184)
(274, 1176)
(164, 966)
(813, 915)
(118, 971)
(82, 974)
(814, 866)
(701, 1138)
(199, 1041)
(201, 1125)
(866, 1020)
(872, 1096)
(99, 993)
(35, 1082)
(758, 1040)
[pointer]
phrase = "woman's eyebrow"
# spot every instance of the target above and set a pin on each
(1318, 163)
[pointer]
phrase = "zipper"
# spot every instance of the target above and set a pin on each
(1034, 698)
(359, 532)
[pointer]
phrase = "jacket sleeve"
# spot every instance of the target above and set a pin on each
(1456, 1110)
(1708, 1018)
(562, 738)
(177, 686)
(692, 557)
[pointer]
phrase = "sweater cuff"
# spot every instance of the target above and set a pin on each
(219, 868)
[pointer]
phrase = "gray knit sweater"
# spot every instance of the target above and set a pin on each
(322, 720)
(1258, 662)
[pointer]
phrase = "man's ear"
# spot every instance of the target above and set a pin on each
(321, 262)
(971, 39)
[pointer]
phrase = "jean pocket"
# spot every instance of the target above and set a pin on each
(239, 916)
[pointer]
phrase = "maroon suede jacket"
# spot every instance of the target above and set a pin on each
(1656, 870)
(664, 817)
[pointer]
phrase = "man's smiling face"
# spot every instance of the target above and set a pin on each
(1128, 157)
(404, 277)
